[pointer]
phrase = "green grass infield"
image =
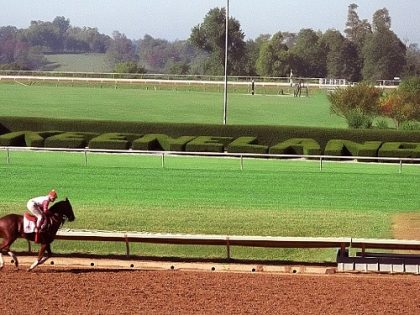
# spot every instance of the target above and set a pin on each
(213, 196)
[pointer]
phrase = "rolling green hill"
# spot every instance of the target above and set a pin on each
(78, 63)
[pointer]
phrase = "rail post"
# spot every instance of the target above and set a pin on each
(320, 163)
(86, 159)
(227, 248)
(127, 246)
(7, 156)
(163, 160)
(400, 169)
(242, 162)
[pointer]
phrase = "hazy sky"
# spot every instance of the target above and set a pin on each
(173, 19)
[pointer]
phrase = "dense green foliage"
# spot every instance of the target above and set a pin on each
(368, 51)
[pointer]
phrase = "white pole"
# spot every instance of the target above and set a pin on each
(226, 64)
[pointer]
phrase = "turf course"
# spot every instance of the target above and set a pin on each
(165, 106)
(213, 196)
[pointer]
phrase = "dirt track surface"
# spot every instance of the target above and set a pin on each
(82, 291)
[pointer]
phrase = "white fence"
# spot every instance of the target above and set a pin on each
(199, 239)
(363, 262)
(239, 156)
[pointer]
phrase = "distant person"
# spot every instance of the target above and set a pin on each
(291, 77)
(252, 87)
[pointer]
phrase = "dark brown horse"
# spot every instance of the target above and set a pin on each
(11, 227)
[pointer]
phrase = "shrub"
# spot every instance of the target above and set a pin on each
(208, 144)
(400, 149)
(299, 146)
(357, 104)
(246, 145)
(112, 141)
(382, 124)
(349, 148)
(16, 139)
(69, 140)
(161, 142)
(410, 125)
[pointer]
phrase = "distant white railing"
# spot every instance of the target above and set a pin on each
(173, 79)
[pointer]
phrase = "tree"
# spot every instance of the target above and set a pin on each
(332, 43)
(159, 55)
(210, 37)
(381, 20)
(356, 30)
(403, 104)
(397, 106)
(45, 35)
(273, 59)
(121, 50)
(128, 67)
(16, 53)
(358, 104)
(412, 66)
(307, 57)
(352, 68)
(342, 59)
(253, 48)
(383, 52)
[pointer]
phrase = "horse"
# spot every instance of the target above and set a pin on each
(11, 227)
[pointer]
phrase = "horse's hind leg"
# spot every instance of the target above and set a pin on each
(14, 257)
(5, 247)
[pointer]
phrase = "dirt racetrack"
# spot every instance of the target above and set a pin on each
(52, 290)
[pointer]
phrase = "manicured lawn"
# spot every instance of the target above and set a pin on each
(213, 196)
(165, 106)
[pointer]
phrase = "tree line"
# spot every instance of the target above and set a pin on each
(366, 51)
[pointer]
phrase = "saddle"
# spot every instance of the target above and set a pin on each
(29, 223)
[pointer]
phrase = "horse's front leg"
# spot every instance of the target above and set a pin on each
(40, 259)
(48, 254)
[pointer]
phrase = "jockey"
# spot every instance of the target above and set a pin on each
(38, 206)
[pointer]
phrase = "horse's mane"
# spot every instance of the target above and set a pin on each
(56, 206)
(63, 209)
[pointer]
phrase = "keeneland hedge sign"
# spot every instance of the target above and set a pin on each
(117, 135)
(246, 144)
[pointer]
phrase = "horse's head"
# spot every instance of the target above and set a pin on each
(63, 208)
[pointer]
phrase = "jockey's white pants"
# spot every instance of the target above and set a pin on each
(34, 209)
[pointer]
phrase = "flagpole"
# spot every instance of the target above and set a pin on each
(226, 64)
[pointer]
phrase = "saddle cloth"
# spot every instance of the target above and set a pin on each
(29, 222)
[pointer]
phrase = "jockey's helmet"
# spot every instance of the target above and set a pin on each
(52, 194)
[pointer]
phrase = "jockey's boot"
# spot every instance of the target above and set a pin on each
(37, 238)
